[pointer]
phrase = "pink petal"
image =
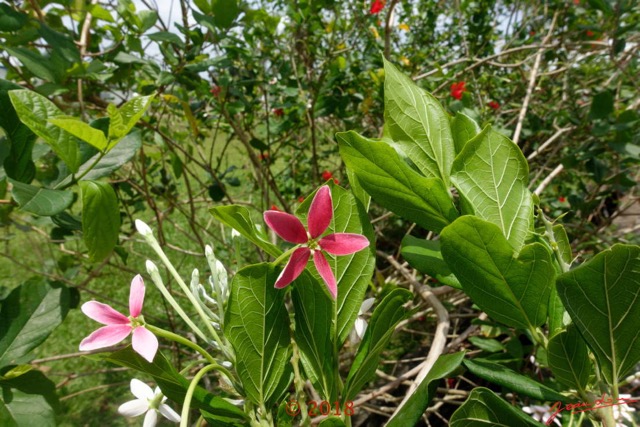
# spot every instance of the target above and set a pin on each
(105, 337)
(325, 272)
(343, 243)
(286, 226)
(136, 296)
(294, 267)
(144, 343)
(320, 212)
(103, 313)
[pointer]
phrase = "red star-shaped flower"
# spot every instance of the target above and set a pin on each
(310, 243)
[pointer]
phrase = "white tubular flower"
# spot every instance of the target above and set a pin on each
(235, 234)
(360, 326)
(151, 267)
(221, 280)
(143, 228)
(149, 401)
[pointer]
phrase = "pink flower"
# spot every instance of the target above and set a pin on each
(494, 105)
(118, 326)
(291, 229)
(376, 7)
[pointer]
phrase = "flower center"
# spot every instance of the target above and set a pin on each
(313, 244)
(136, 321)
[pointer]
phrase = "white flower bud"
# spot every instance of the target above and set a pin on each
(227, 364)
(234, 233)
(208, 251)
(151, 267)
(143, 228)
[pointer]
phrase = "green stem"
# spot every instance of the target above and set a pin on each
(182, 340)
(156, 247)
(186, 406)
(75, 179)
(564, 267)
(284, 255)
(157, 280)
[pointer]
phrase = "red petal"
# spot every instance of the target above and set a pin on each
(105, 337)
(325, 272)
(343, 243)
(144, 343)
(320, 212)
(286, 226)
(294, 267)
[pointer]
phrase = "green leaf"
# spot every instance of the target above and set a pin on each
(203, 5)
(314, 309)
(40, 201)
(238, 218)
(34, 111)
(491, 175)
(81, 130)
(426, 257)
(602, 105)
(257, 325)
(101, 165)
(385, 317)
(418, 124)
(166, 36)
(558, 316)
(564, 247)
(148, 19)
(568, 359)
(484, 409)
(464, 129)
(487, 344)
(602, 298)
(28, 315)
(415, 406)
(36, 63)
(61, 44)
(393, 184)
(332, 422)
(174, 385)
(514, 291)
(18, 164)
(499, 374)
(100, 218)
(225, 12)
(10, 19)
(99, 12)
(28, 400)
(126, 118)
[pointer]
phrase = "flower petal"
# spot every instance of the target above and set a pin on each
(103, 313)
(294, 267)
(320, 212)
(366, 305)
(133, 408)
(141, 390)
(286, 226)
(343, 243)
(144, 343)
(136, 296)
(169, 413)
(105, 337)
(361, 327)
(151, 419)
(325, 272)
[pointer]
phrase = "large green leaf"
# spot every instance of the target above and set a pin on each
(10, 19)
(28, 315)
(383, 321)
(569, 359)
(34, 111)
(174, 385)
(513, 290)
(393, 184)
(484, 409)
(464, 129)
(501, 375)
(40, 201)
(602, 297)
(491, 175)
(239, 218)
(426, 257)
(257, 325)
(28, 400)
(36, 63)
(18, 164)
(418, 124)
(100, 218)
(125, 118)
(81, 130)
(415, 406)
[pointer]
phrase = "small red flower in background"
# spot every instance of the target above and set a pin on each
(589, 33)
(376, 6)
(494, 105)
(215, 90)
(532, 33)
(336, 181)
(263, 156)
(562, 199)
(274, 208)
(326, 175)
(457, 89)
(278, 112)
(301, 199)
(576, 2)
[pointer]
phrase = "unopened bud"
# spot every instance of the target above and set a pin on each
(143, 228)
